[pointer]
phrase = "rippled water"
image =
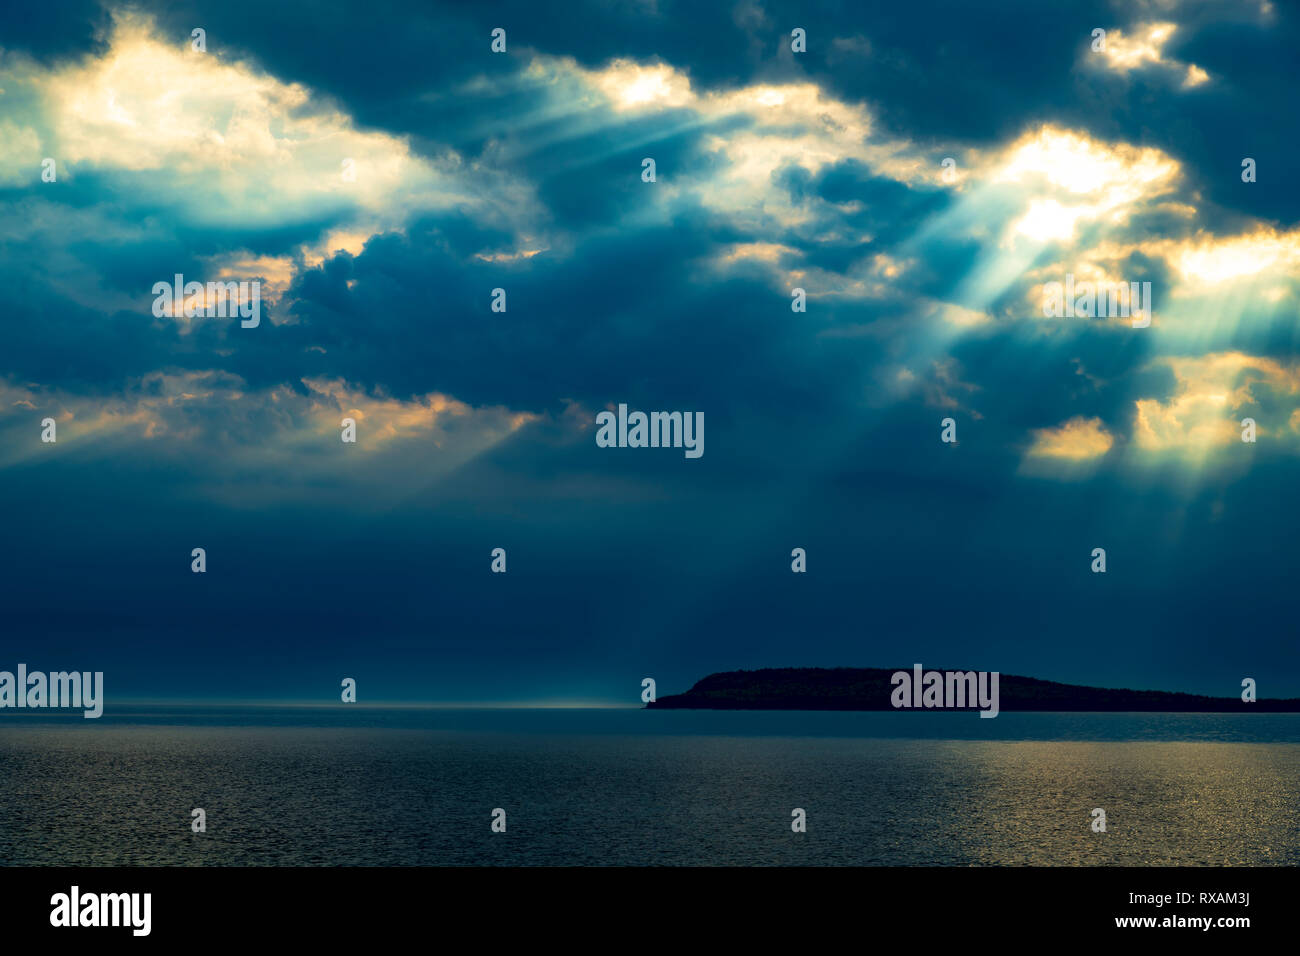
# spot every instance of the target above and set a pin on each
(635, 787)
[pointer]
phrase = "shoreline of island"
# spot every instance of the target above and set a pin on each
(876, 689)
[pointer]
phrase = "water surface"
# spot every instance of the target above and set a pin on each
(362, 786)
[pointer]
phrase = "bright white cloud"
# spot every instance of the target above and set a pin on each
(1078, 439)
(1143, 47)
(1212, 394)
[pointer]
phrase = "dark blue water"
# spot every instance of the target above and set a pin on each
(353, 785)
(900, 725)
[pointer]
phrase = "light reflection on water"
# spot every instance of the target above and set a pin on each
(633, 787)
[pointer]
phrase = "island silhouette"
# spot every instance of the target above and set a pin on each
(869, 688)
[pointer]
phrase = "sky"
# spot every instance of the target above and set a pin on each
(380, 170)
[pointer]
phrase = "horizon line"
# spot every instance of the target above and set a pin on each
(542, 704)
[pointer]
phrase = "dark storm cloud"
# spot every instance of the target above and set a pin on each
(622, 318)
(50, 31)
(822, 427)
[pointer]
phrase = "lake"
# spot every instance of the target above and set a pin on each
(353, 785)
